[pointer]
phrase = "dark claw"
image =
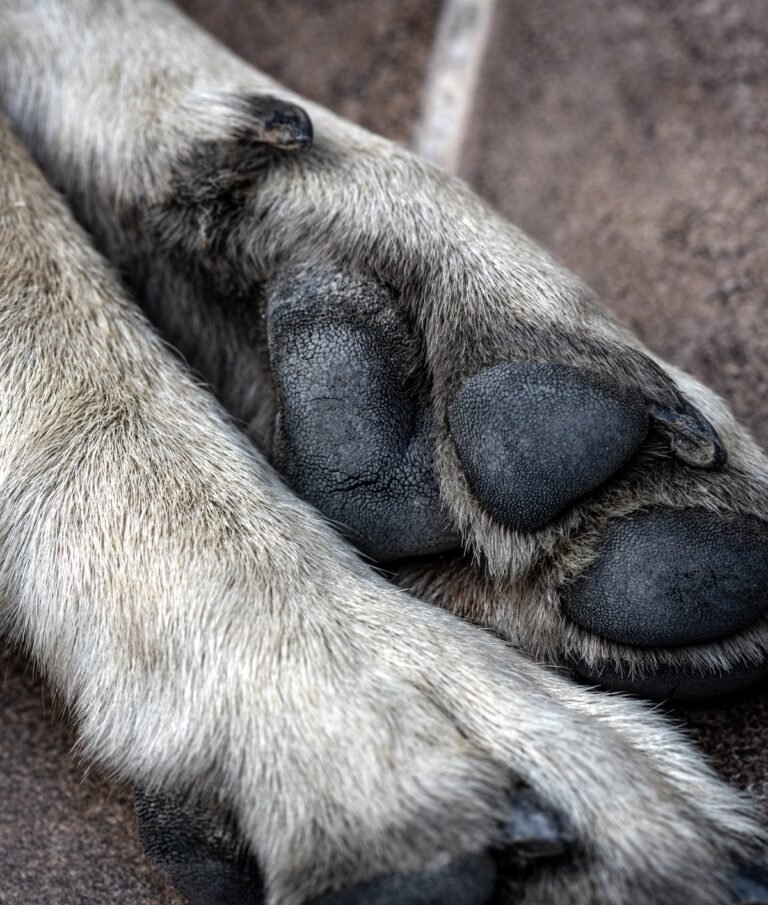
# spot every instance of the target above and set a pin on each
(691, 436)
(533, 830)
(283, 125)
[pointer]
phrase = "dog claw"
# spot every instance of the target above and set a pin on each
(279, 123)
(533, 830)
(692, 438)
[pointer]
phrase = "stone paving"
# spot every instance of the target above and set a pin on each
(628, 137)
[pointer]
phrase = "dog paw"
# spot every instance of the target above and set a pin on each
(438, 387)
(611, 531)
(654, 581)
(426, 763)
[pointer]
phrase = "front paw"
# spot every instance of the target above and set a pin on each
(649, 549)
(424, 762)
(387, 740)
(434, 383)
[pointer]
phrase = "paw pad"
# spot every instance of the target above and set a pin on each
(353, 437)
(667, 577)
(667, 681)
(469, 880)
(534, 437)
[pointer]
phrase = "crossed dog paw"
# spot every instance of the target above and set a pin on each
(464, 411)
(440, 389)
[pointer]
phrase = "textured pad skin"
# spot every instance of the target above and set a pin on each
(353, 437)
(467, 881)
(672, 683)
(533, 437)
(197, 853)
(668, 577)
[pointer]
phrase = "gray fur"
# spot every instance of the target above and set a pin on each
(152, 162)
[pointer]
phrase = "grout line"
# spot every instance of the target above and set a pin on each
(462, 35)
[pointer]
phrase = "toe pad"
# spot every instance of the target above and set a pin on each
(469, 880)
(198, 853)
(667, 577)
(672, 683)
(534, 437)
(354, 437)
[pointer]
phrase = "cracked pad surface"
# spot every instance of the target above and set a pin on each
(354, 437)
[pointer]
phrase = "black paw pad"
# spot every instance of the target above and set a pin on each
(534, 437)
(198, 852)
(466, 881)
(354, 437)
(667, 682)
(748, 883)
(667, 577)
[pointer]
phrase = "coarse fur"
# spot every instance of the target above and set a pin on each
(156, 153)
(209, 630)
